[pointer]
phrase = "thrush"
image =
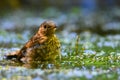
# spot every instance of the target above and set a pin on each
(44, 45)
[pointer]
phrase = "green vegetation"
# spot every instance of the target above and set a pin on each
(87, 56)
(90, 39)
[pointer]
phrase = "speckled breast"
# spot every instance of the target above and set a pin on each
(49, 50)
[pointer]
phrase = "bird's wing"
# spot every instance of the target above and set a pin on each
(33, 42)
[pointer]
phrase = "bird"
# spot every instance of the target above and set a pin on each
(43, 46)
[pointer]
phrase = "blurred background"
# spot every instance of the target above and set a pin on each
(97, 16)
(96, 53)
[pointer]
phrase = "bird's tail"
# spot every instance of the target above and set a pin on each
(12, 55)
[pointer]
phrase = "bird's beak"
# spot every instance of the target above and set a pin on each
(55, 27)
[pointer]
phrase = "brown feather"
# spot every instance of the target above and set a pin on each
(44, 45)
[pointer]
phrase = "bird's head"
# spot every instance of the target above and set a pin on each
(47, 28)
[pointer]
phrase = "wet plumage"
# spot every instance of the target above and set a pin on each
(44, 45)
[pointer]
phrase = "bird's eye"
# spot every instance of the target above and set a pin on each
(45, 26)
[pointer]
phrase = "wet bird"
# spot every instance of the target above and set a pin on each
(44, 45)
